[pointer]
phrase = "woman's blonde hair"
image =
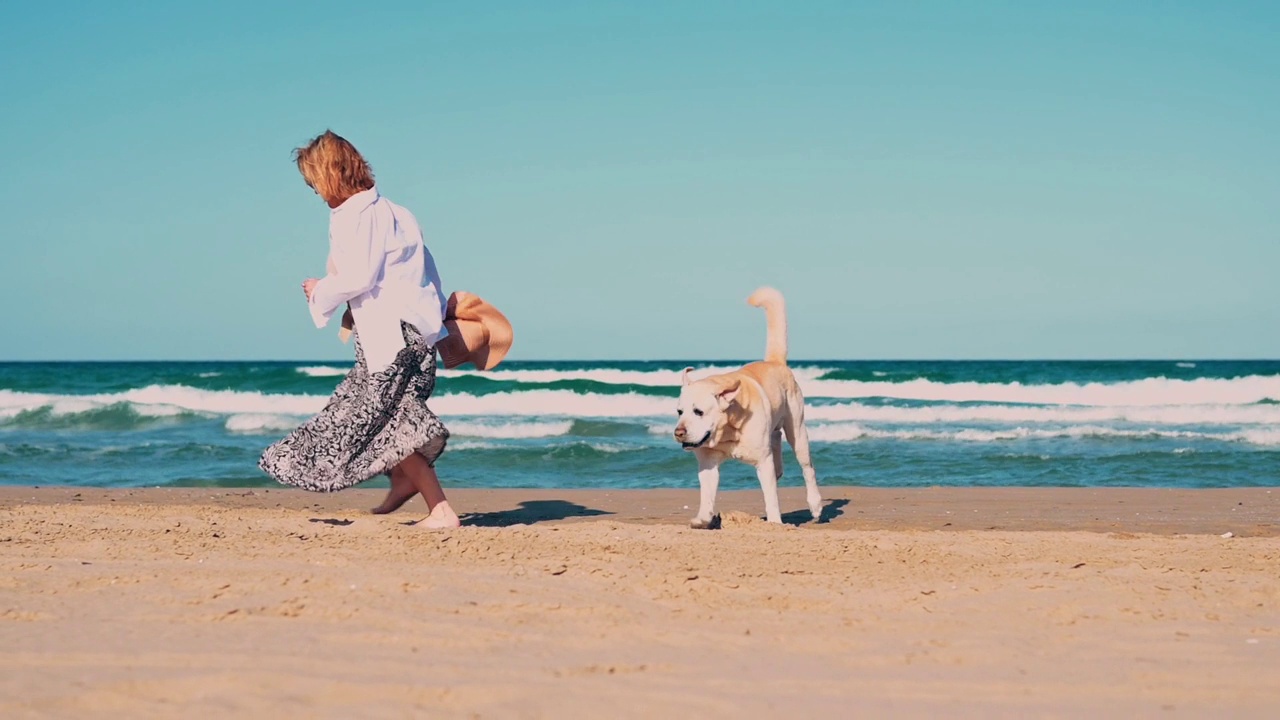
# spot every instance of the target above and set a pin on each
(333, 167)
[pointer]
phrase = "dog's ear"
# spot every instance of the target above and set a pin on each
(684, 376)
(728, 393)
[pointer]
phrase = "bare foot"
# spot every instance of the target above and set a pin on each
(401, 492)
(442, 517)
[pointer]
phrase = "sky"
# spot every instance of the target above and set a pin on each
(920, 179)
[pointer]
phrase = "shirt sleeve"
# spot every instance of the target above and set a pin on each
(356, 253)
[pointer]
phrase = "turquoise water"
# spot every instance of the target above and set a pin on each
(607, 424)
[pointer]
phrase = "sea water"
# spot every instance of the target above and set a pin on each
(608, 424)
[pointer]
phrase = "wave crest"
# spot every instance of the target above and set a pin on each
(323, 371)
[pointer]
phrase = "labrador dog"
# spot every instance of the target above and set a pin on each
(743, 415)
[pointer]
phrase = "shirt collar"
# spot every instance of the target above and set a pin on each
(359, 201)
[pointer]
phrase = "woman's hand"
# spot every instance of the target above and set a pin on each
(308, 287)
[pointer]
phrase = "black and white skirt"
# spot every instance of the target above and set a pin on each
(371, 423)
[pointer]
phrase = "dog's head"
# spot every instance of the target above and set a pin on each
(702, 409)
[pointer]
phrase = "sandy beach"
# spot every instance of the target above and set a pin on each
(907, 603)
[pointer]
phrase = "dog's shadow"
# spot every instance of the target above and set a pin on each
(531, 511)
(832, 510)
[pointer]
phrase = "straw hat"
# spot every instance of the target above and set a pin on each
(478, 333)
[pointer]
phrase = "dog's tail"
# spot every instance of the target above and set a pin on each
(775, 314)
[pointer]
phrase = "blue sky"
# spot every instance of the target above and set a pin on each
(922, 180)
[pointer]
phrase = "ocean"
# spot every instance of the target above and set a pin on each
(607, 424)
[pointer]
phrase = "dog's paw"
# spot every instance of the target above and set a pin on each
(700, 524)
(814, 501)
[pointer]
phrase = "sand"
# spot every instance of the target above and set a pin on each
(907, 603)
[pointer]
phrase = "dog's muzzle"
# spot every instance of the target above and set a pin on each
(700, 443)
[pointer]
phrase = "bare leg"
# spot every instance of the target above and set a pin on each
(424, 478)
(402, 490)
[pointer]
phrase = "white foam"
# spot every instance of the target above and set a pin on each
(254, 423)
(162, 400)
(74, 406)
(612, 448)
(1223, 410)
(1151, 391)
(472, 445)
(1011, 414)
(165, 400)
(323, 371)
(836, 432)
(662, 429)
(552, 403)
(12, 403)
(221, 402)
(514, 430)
(849, 431)
(1263, 416)
(1261, 436)
(157, 410)
(171, 399)
(613, 376)
(1159, 400)
(841, 432)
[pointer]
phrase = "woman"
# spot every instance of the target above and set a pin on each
(377, 421)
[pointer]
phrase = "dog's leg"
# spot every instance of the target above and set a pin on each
(775, 444)
(708, 483)
(798, 437)
(769, 485)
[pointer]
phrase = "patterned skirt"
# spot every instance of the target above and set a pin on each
(371, 423)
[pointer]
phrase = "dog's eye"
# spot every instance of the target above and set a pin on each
(679, 413)
(697, 412)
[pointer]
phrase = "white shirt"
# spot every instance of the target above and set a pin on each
(381, 268)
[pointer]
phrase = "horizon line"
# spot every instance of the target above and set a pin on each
(1174, 359)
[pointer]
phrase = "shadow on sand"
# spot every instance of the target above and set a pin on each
(529, 512)
(830, 511)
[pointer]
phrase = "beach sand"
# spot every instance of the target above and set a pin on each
(907, 603)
